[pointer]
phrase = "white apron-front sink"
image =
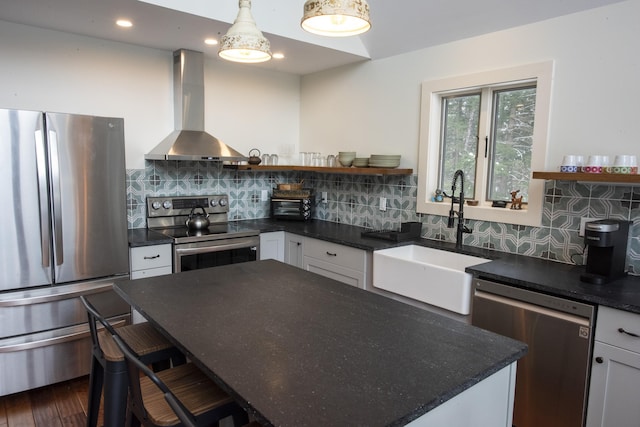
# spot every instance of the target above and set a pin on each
(429, 275)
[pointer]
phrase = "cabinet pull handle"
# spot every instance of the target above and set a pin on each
(152, 257)
(599, 359)
(331, 254)
(631, 334)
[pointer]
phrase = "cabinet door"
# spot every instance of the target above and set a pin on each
(614, 395)
(151, 272)
(272, 245)
(294, 247)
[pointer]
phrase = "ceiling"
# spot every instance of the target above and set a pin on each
(398, 26)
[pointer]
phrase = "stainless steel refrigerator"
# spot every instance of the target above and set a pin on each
(63, 233)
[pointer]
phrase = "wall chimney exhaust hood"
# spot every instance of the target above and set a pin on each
(189, 141)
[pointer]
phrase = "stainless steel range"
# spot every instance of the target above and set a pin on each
(220, 243)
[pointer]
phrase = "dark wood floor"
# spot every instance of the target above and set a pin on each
(62, 404)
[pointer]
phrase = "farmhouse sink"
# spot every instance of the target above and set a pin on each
(429, 275)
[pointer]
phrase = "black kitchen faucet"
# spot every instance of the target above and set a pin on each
(461, 227)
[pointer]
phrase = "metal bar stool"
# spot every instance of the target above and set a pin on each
(109, 368)
(180, 396)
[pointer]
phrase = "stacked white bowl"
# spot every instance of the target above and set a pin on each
(346, 158)
(384, 160)
(361, 162)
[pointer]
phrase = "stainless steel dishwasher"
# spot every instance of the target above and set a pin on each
(551, 380)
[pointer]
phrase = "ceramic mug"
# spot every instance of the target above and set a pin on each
(625, 160)
(596, 164)
(572, 163)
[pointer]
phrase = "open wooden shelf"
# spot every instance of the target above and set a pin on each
(589, 177)
(324, 169)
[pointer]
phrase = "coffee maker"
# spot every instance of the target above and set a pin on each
(607, 250)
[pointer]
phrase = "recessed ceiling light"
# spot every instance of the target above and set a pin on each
(125, 23)
(211, 42)
(278, 55)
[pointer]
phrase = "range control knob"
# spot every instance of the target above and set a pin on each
(223, 202)
(166, 204)
(156, 205)
(213, 203)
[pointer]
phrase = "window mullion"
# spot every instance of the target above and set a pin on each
(484, 145)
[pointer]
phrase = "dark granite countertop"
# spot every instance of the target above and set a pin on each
(145, 237)
(549, 277)
(562, 280)
(299, 349)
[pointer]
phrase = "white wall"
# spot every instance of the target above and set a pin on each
(374, 107)
(55, 71)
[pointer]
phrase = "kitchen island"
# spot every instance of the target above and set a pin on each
(295, 348)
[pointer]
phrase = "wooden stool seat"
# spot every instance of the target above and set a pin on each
(143, 338)
(178, 396)
(194, 389)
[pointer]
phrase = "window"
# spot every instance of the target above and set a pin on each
(492, 126)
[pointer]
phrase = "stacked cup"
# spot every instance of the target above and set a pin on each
(572, 163)
(597, 164)
(625, 164)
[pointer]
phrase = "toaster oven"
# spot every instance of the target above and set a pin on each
(296, 205)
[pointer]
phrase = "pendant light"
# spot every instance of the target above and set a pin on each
(336, 18)
(244, 42)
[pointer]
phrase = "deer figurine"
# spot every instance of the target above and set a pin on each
(516, 202)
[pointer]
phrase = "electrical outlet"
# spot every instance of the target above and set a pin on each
(324, 197)
(265, 195)
(583, 221)
(383, 203)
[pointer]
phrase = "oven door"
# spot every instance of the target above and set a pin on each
(194, 256)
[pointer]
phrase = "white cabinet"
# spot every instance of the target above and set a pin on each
(293, 249)
(614, 394)
(272, 245)
(343, 263)
(487, 403)
(149, 261)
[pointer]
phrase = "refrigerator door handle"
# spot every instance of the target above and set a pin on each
(41, 167)
(67, 335)
(56, 197)
(28, 298)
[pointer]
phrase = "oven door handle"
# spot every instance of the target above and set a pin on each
(214, 248)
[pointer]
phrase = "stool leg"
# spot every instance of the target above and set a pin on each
(96, 379)
(116, 388)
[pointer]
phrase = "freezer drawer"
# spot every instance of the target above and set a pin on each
(28, 312)
(45, 358)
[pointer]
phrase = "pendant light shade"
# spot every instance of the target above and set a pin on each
(244, 42)
(336, 18)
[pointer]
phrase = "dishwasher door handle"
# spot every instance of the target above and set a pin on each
(533, 308)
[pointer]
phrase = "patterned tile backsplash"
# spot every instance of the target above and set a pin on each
(354, 200)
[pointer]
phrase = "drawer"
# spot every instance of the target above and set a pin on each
(336, 272)
(336, 254)
(154, 256)
(608, 326)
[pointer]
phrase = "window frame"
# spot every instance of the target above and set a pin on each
(430, 134)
